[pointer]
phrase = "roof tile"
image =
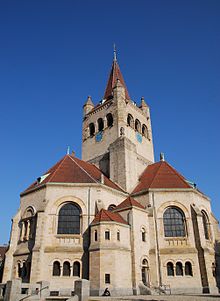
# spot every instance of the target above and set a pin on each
(105, 215)
(161, 175)
(73, 170)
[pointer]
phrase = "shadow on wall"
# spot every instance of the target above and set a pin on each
(217, 263)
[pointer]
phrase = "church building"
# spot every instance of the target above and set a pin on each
(115, 217)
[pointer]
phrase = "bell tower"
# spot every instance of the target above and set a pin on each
(117, 135)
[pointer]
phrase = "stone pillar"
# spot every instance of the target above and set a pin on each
(44, 289)
(13, 290)
(82, 289)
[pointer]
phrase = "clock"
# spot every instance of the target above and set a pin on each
(98, 137)
(139, 137)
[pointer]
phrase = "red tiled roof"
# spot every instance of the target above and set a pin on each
(128, 203)
(161, 175)
(114, 75)
(73, 170)
(3, 250)
(108, 216)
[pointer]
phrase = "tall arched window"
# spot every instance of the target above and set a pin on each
(188, 269)
(100, 124)
(145, 131)
(69, 219)
(145, 272)
(109, 118)
(170, 269)
(205, 224)
(56, 268)
(130, 120)
(179, 269)
(174, 222)
(137, 126)
(76, 269)
(66, 268)
(91, 129)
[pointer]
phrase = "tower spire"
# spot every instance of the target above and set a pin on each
(115, 53)
(114, 76)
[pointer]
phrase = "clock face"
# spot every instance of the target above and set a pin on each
(98, 137)
(139, 137)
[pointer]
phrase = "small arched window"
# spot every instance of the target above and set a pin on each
(130, 120)
(76, 269)
(170, 269)
(111, 207)
(188, 269)
(179, 269)
(205, 225)
(69, 219)
(95, 235)
(143, 234)
(91, 129)
(66, 268)
(100, 124)
(145, 131)
(145, 272)
(137, 126)
(118, 235)
(19, 269)
(56, 268)
(109, 118)
(174, 222)
(107, 235)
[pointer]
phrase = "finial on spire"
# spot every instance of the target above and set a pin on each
(115, 53)
(162, 157)
(68, 150)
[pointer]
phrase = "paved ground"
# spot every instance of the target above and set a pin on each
(160, 298)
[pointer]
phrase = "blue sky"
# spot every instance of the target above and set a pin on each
(53, 54)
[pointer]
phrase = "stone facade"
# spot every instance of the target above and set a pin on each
(134, 227)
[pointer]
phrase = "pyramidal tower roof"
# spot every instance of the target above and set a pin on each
(115, 75)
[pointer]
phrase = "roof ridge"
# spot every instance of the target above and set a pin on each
(156, 173)
(178, 174)
(59, 165)
(83, 169)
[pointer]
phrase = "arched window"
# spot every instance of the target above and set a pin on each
(205, 224)
(66, 268)
(137, 126)
(188, 269)
(109, 118)
(145, 272)
(145, 131)
(91, 129)
(179, 269)
(143, 234)
(19, 269)
(118, 235)
(95, 235)
(130, 120)
(69, 219)
(174, 222)
(100, 124)
(107, 235)
(56, 268)
(111, 207)
(170, 269)
(76, 269)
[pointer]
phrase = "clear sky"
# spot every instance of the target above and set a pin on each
(53, 54)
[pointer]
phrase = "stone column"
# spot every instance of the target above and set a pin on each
(82, 289)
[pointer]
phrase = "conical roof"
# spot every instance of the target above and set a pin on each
(108, 216)
(128, 203)
(73, 170)
(161, 175)
(115, 74)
